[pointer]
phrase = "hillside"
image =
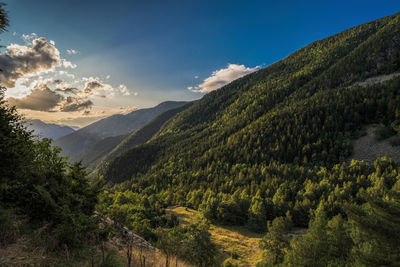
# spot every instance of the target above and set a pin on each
(269, 152)
(300, 110)
(47, 130)
(76, 143)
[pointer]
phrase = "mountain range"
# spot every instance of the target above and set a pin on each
(111, 127)
(48, 130)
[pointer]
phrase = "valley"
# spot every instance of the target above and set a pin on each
(296, 163)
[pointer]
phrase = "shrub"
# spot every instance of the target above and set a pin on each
(8, 227)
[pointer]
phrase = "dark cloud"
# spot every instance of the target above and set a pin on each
(41, 98)
(92, 85)
(69, 90)
(75, 104)
(58, 81)
(19, 60)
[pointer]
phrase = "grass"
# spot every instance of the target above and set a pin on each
(234, 242)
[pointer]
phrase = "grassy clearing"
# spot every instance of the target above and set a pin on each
(235, 243)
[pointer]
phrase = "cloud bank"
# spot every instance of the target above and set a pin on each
(222, 77)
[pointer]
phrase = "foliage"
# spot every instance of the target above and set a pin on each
(38, 183)
(275, 242)
(3, 18)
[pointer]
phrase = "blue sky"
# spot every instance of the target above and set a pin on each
(159, 49)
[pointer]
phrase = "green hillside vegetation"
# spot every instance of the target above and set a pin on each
(273, 146)
(42, 197)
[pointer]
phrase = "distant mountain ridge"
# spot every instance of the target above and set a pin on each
(47, 130)
(74, 144)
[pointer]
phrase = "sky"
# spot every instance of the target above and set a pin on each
(73, 62)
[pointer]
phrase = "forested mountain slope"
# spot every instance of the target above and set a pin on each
(300, 110)
(269, 151)
(77, 142)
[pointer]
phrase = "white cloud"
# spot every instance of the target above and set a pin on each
(123, 89)
(95, 87)
(28, 37)
(135, 93)
(68, 64)
(72, 52)
(196, 77)
(222, 77)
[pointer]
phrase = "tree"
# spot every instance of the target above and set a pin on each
(376, 230)
(312, 248)
(275, 242)
(3, 18)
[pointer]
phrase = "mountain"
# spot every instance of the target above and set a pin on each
(144, 134)
(276, 149)
(76, 143)
(110, 147)
(303, 110)
(47, 130)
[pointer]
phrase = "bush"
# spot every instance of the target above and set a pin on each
(8, 227)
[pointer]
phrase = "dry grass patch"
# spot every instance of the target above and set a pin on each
(233, 241)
